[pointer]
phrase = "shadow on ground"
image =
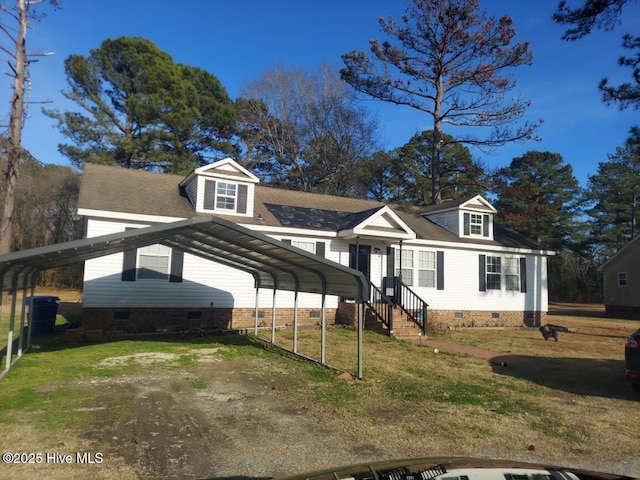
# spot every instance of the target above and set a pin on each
(579, 376)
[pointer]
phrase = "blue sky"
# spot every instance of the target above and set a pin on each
(238, 40)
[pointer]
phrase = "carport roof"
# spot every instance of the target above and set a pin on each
(272, 263)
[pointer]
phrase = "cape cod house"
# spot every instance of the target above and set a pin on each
(452, 257)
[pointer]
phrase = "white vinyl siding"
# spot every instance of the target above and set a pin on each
(206, 282)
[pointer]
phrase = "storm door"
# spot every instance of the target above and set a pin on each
(360, 258)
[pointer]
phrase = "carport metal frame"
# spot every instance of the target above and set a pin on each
(272, 263)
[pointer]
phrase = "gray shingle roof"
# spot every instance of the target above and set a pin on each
(116, 189)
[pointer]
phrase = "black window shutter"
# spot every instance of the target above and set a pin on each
(242, 199)
(209, 194)
(320, 247)
(129, 259)
(467, 224)
(523, 275)
(485, 225)
(286, 240)
(177, 260)
(482, 276)
(440, 270)
(391, 262)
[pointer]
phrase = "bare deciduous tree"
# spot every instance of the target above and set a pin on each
(20, 14)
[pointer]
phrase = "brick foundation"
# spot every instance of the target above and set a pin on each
(441, 319)
(166, 320)
(161, 320)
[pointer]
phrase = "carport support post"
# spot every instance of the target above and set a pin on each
(323, 355)
(32, 293)
(295, 321)
(12, 317)
(360, 309)
(22, 314)
(273, 317)
(255, 325)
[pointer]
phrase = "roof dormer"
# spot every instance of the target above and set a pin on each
(466, 217)
(222, 188)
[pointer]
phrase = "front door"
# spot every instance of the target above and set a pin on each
(360, 258)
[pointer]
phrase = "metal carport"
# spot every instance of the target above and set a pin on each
(273, 264)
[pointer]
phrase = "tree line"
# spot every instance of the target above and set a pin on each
(307, 129)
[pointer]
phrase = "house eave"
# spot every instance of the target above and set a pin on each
(367, 233)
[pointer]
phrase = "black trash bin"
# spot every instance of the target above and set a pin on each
(43, 314)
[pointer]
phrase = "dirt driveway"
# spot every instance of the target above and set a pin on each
(221, 419)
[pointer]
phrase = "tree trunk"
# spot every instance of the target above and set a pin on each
(14, 149)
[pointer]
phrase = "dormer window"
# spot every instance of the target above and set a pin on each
(225, 196)
(223, 188)
(476, 224)
(466, 217)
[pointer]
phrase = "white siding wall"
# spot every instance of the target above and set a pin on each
(205, 282)
(461, 283)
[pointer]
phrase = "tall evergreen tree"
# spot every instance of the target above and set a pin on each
(460, 174)
(614, 198)
(605, 15)
(451, 61)
(141, 110)
(538, 196)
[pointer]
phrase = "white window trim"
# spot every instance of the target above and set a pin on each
(626, 279)
(407, 268)
(492, 274)
(434, 269)
(516, 262)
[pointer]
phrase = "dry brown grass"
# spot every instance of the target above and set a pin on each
(565, 402)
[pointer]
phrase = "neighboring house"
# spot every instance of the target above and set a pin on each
(621, 281)
(468, 269)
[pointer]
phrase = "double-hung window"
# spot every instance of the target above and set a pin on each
(494, 271)
(306, 246)
(622, 279)
(404, 267)
(426, 269)
(153, 262)
(475, 224)
(226, 196)
(512, 273)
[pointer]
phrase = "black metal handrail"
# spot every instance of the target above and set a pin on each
(381, 306)
(413, 306)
